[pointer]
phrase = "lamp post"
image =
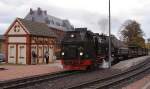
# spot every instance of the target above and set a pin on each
(109, 54)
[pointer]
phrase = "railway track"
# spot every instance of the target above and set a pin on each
(23, 82)
(99, 83)
(113, 80)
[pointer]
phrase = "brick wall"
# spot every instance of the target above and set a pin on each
(2, 46)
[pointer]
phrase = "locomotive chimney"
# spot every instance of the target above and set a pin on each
(31, 11)
(39, 11)
(45, 12)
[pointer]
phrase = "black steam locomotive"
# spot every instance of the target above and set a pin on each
(82, 49)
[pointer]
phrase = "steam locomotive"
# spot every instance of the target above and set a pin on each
(82, 49)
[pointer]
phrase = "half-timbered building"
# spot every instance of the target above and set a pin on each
(23, 37)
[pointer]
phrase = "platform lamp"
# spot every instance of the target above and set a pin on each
(109, 54)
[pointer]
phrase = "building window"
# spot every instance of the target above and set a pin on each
(45, 40)
(52, 22)
(11, 51)
(57, 23)
(17, 28)
(21, 52)
(47, 20)
(51, 46)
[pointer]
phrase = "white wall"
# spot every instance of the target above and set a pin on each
(17, 39)
(41, 55)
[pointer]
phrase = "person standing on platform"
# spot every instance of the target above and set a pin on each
(34, 57)
(47, 57)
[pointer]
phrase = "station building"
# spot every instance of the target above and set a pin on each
(57, 25)
(38, 32)
(25, 36)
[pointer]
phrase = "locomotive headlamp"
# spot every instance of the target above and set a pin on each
(62, 53)
(72, 35)
(81, 53)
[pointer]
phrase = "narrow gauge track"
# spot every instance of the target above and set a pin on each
(27, 81)
(115, 79)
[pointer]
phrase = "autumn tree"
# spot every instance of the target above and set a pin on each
(132, 34)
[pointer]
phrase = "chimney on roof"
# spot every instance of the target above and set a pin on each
(47, 20)
(39, 11)
(45, 12)
(32, 19)
(31, 11)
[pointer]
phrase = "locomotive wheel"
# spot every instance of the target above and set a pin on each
(115, 61)
(96, 66)
(90, 68)
(93, 67)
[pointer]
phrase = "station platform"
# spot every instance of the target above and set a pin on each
(13, 71)
(123, 65)
(143, 83)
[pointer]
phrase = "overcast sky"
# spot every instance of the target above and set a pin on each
(81, 13)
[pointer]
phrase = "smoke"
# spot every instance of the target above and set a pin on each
(103, 25)
(116, 23)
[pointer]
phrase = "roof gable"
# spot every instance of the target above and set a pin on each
(22, 27)
(16, 28)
